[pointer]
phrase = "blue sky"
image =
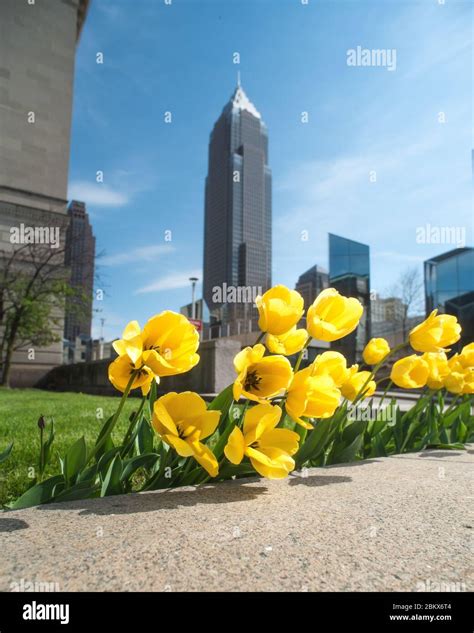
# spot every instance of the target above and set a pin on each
(293, 59)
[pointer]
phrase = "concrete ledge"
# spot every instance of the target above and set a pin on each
(378, 525)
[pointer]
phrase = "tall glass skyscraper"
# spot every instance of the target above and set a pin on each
(238, 210)
(80, 259)
(449, 286)
(349, 273)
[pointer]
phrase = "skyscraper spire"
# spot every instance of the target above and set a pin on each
(240, 101)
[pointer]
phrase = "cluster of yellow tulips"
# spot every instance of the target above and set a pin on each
(272, 389)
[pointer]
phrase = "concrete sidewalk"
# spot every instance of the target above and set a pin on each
(394, 524)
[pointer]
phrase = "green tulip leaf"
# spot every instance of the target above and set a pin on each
(111, 484)
(37, 494)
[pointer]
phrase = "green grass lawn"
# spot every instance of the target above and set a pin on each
(74, 414)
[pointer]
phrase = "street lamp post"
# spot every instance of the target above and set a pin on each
(193, 281)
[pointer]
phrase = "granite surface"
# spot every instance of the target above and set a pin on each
(394, 524)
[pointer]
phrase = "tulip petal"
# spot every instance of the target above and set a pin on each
(184, 405)
(180, 446)
(284, 439)
(131, 330)
(234, 449)
(206, 423)
(206, 458)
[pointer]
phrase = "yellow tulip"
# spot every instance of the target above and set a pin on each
(468, 380)
(454, 382)
(131, 342)
(167, 344)
(258, 377)
(435, 333)
(120, 371)
(268, 448)
(170, 342)
(333, 316)
(279, 310)
(355, 382)
(331, 364)
(438, 369)
(410, 372)
(375, 351)
(460, 380)
(287, 344)
(311, 396)
(183, 421)
(466, 357)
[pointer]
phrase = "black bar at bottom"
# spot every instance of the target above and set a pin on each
(236, 612)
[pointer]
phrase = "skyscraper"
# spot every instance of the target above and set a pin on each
(311, 283)
(79, 257)
(449, 287)
(238, 210)
(37, 55)
(349, 273)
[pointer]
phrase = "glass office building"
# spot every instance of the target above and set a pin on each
(349, 273)
(311, 283)
(449, 286)
(238, 208)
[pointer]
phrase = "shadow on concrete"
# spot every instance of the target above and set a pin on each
(170, 499)
(361, 462)
(318, 480)
(10, 525)
(440, 454)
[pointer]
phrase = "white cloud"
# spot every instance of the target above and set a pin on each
(173, 281)
(141, 254)
(97, 194)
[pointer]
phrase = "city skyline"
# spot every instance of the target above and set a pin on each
(360, 120)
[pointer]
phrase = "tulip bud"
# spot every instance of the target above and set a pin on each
(435, 333)
(375, 351)
(410, 372)
(41, 422)
(332, 316)
(279, 310)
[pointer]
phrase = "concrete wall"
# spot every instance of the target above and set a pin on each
(37, 51)
(214, 372)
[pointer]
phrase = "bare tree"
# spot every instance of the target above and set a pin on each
(409, 289)
(34, 285)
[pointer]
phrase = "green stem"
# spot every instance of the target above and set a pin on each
(164, 458)
(375, 369)
(191, 462)
(131, 426)
(259, 337)
(452, 405)
(41, 463)
(114, 420)
(389, 384)
(300, 355)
